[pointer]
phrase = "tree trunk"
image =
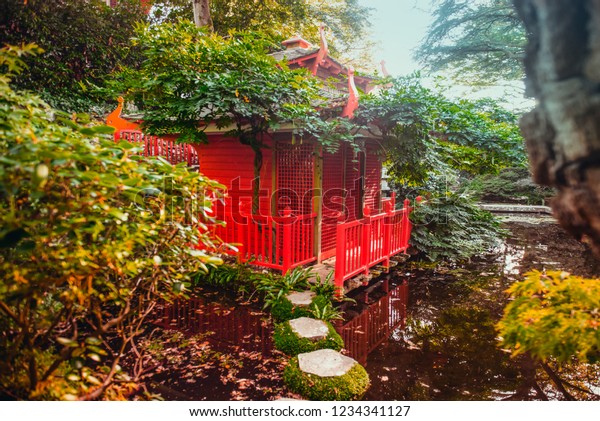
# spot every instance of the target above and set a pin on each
(563, 132)
(202, 13)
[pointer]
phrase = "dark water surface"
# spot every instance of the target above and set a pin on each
(449, 349)
(443, 345)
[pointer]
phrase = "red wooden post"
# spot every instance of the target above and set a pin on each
(406, 225)
(393, 200)
(365, 249)
(287, 239)
(240, 222)
(387, 233)
(340, 255)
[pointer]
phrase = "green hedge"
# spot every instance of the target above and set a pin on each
(284, 310)
(350, 386)
(286, 340)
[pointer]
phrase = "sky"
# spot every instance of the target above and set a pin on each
(399, 26)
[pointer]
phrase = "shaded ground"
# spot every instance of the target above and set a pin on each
(450, 351)
(210, 348)
(215, 348)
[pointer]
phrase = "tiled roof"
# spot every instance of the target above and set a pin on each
(293, 53)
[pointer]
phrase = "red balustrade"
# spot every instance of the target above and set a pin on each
(366, 242)
(371, 327)
(270, 241)
(173, 152)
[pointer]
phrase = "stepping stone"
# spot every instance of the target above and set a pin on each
(308, 328)
(325, 363)
(301, 299)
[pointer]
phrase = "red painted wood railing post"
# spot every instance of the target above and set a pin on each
(388, 224)
(340, 255)
(240, 221)
(365, 247)
(287, 239)
(406, 225)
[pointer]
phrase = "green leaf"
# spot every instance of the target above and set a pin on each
(67, 342)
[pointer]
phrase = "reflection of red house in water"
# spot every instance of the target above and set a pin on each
(314, 205)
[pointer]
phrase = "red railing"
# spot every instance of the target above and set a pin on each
(275, 242)
(366, 242)
(156, 146)
(371, 327)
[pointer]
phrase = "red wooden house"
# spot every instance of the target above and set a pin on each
(313, 205)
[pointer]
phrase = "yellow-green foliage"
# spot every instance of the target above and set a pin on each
(286, 340)
(351, 386)
(92, 236)
(554, 315)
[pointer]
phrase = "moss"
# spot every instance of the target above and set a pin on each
(350, 386)
(286, 340)
(284, 310)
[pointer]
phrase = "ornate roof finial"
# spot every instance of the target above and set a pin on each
(323, 50)
(384, 70)
(352, 103)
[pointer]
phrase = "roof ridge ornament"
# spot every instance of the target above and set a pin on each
(323, 51)
(384, 70)
(115, 120)
(352, 103)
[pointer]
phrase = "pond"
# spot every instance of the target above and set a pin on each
(449, 348)
(443, 344)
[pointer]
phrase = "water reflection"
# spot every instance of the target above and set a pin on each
(449, 349)
(376, 312)
(225, 325)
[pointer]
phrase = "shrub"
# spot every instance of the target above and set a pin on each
(277, 287)
(350, 386)
(238, 278)
(553, 315)
(83, 41)
(324, 287)
(324, 310)
(286, 340)
(510, 185)
(452, 226)
(92, 237)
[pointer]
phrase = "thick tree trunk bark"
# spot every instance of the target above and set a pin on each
(202, 13)
(563, 132)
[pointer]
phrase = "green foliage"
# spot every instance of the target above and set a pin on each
(510, 185)
(86, 251)
(283, 310)
(452, 226)
(479, 42)
(83, 41)
(430, 141)
(553, 315)
(324, 287)
(276, 288)
(240, 279)
(287, 341)
(350, 386)
(347, 20)
(190, 79)
(425, 133)
(324, 310)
